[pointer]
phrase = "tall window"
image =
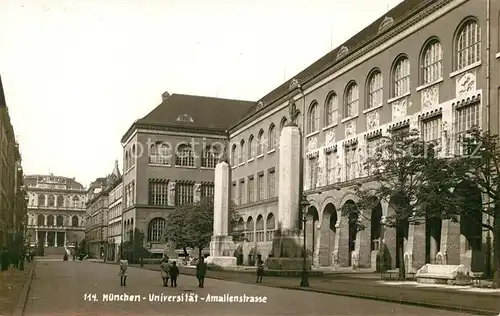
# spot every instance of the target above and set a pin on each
(251, 147)
(375, 89)
(313, 172)
(331, 109)
(185, 156)
(158, 192)
(40, 220)
(260, 143)
(60, 201)
(259, 229)
(468, 44)
(373, 150)
(210, 157)
(76, 201)
(51, 201)
(251, 188)
(155, 229)
(234, 197)
(160, 154)
(59, 221)
(184, 193)
(74, 221)
(283, 123)
(260, 184)
(401, 77)
(272, 137)
(313, 119)
(50, 220)
(330, 168)
(241, 194)
(431, 130)
(41, 200)
(271, 184)
(465, 118)
(233, 155)
(208, 192)
(350, 163)
(243, 151)
(432, 63)
(351, 100)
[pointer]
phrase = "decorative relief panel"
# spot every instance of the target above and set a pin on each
(350, 129)
(342, 52)
(372, 120)
(399, 108)
(339, 168)
(430, 96)
(312, 143)
(330, 137)
(465, 83)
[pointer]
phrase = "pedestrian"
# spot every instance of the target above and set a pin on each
(201, 270)
(260, 270)
(174, 273)
(123, 272)
(165, 270)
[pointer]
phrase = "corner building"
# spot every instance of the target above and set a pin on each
(169, 160)
(426, 65)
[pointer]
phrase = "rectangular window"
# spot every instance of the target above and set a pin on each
(330, 168)
(251, 188)
(184, 193)
(465, 118)
(351, 163)
(158, 192)
(431, 130)
(209, 158)
(242, 192)
(208, 192)
(373, 151)
(313, 172)
(271, 183)
(260, 183)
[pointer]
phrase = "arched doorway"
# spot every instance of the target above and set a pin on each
(311, 229)
(375, 234)
(433, 226)
(396, 238)
(353, 230)
(471, 227)
(328, 233)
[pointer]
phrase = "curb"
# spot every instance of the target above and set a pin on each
(23, 296)
(361, 296)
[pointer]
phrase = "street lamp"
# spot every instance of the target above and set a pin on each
(304, 277)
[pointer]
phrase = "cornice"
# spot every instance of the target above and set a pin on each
(258, 203)
(356, 52)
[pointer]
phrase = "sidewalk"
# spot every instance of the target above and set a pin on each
(12, 283)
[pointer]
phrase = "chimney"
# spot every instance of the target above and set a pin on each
(165, 96)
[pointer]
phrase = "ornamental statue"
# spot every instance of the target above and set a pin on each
(224, 157)
(292, 110)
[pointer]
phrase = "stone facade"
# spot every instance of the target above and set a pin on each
(401, 80)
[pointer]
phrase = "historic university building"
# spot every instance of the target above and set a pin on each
(430, 65)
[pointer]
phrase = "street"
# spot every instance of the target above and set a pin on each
(79, 288)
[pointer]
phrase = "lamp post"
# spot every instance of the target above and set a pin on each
(304, 277)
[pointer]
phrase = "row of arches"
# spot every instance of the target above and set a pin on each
(59, 220)
(258, 230)
(52, 200)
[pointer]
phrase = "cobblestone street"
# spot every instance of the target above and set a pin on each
(59, 288)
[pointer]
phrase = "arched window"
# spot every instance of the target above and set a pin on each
(160, 153)
(313, 118)
(351, 100)
(271, 142)
(432, 62)
(41, 220)
(259, 229)
(41, 200)
(260, 143)
(375, 89)
(210, 156)
(331, 109)
(233, 155)
(51, 201)
(74, 221)
(249, 234)
(283, 123)
(76, 201)
(270, 227)
(184, 156)
(251, 147)
(60, 201)
(50, 220)
(59, 220)
(401, 77)
(155, 229)
(468, 44)
(243, 151)
(127, 160)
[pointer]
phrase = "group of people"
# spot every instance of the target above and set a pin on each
(168, 271)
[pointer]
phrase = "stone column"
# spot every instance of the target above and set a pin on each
(317, 245)
(197, 192)
(46, 242)
(222, 245)
(171, 193)
(335, 253)
(414, 250)
(450, 243)
(364, 243)
(342, 246)
(289, 178)
(36, 237)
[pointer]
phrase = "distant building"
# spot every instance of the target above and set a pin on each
(169, 159)
(115, 207)
(56, 212)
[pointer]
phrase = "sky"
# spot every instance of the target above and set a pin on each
(78, 73)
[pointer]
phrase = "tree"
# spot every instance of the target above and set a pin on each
(407, 174)
(479, 163)
(237, 232)
(199, 225)
(175, 228)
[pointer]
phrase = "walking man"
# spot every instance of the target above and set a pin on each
(201, 269)
(174, 273)
(123, 272)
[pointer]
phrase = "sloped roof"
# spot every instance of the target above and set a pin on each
(206, 112)
(386, 22)
(71, 183)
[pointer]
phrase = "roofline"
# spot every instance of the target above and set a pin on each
(347, 59)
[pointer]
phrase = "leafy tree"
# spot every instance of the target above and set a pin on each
(199, 225)
(479, 163)
(408, 174)
(133, 248)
